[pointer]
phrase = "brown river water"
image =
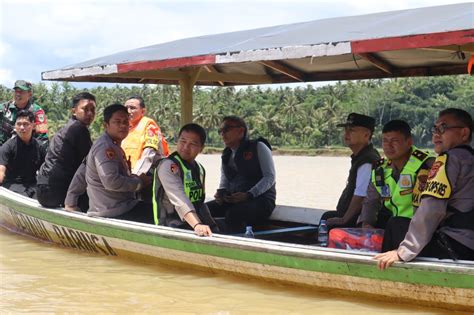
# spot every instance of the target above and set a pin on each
(38, 277)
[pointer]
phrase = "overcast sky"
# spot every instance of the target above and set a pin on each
(40, 35)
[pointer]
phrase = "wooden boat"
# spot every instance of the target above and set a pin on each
(439, 283)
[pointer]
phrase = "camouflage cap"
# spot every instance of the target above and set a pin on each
(23, 85)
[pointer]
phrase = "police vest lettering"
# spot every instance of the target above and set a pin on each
(400, 197)
(438, 185)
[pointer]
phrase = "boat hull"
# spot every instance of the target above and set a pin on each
(429, 282)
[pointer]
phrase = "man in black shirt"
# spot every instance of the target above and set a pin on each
(69, 146)
(21, 157)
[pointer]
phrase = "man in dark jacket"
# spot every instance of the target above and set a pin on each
(246, 194)
(67, 149)
(21, 157)
(358, 130)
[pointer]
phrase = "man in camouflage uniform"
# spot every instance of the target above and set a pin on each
(22, 99)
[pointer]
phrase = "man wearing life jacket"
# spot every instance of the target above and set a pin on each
(397, 181)
(358, 130)
(144, 144)
(178, 187)
(443, 225)
(246, 194)
(22, 99)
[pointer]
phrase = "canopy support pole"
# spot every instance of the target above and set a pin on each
(186, 94)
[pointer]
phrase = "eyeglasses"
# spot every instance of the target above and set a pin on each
(441, 129)
(226, 128)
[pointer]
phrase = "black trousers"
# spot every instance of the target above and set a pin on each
(441, 245)
(142, 212)
(335, 214)
(238, 215)
(53, 196)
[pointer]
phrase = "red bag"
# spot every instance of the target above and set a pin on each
(356, 238)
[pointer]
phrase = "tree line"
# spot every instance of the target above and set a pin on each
(302, 117)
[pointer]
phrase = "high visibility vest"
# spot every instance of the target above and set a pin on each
(401, 197)
(146, 134)
(193, 185)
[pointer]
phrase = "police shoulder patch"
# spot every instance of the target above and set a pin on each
(110, 153)
(438, 185)
(174, 168)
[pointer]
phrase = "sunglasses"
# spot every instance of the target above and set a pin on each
(441, 129)
(227, 128)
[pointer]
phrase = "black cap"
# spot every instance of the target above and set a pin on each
(355, 119)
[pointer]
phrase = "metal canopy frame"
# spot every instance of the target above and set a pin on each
(419, 42)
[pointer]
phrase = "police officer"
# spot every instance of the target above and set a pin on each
(396, 181)
(443, 225)
(246, 193)
(21, 157)
(22, 99)
(358, 130)
(110, 185)
(179, 185)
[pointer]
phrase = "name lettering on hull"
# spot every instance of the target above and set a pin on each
(65, 236)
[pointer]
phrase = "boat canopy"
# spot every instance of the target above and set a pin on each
(417, 42)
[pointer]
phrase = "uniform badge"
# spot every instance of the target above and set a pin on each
(41, 118)
(385, 191)
(248, 155)
(152, 131)
(110, 153)
(434, 169)
(174, 168)
(405, 181)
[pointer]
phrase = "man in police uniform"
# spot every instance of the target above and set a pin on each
(179, 186)
(144, 144)
(21, 157)
(110, 185)
(396, 182)
(358, 130)
(22, 99)
(443, 225)
(246, 194)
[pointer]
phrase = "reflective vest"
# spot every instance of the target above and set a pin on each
(145, 134)
(402, 196)
(193, 185)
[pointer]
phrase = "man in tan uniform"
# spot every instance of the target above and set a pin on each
(443, 225)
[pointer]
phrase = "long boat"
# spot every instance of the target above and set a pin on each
(431, 282)
(382, 45)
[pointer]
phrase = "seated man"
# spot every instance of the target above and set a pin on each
(358, 132)
(21, 157)
(246, 194)
(22, 99)
(396, 181)
(110, 185)
(69, 146)
(144, 144)
(179, 185)
(443, 225)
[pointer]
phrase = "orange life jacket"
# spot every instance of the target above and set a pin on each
(146, 134)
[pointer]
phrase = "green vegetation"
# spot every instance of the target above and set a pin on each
(303, 117)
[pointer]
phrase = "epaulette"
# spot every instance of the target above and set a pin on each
(378, 163)
(420, 155)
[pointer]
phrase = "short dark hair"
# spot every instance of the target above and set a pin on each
(398, 125)
(82, 96)
(26, 113)
(461, 116)
(197, 129)
(238, 121)
(139, 99)
(113, 108)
